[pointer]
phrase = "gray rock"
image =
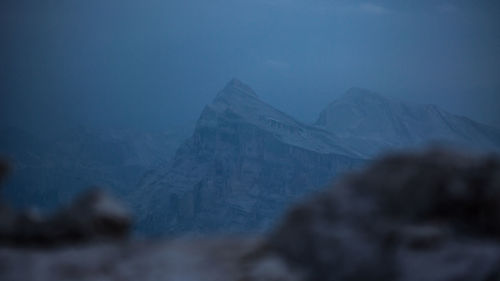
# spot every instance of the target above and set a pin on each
(215, 259)
(360, 115)
(409, 217)
(4, 169)
(414, 216)
(93, 217)
(246, 161)
(244, 164)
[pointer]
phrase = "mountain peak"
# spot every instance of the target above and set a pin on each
(362, 94)
(236, 85)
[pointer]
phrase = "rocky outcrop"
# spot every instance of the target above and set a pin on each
(4, 169)
(247, 161)
(213, 259)
(244, 164)
(369, 123)
(93, 217)
(415, 216)
(407, 217)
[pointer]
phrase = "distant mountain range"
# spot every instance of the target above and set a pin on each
(243, 165)
(370, 122)
(48, 172)
(247, 161)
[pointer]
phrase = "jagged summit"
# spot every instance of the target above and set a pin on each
(244, 163)
(235, 86)
(238, 101)
(353, 104)
(360, 94)
(390, 123)
(246, 160)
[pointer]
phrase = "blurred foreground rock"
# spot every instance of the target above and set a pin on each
(412, 217)
(179, 260)
(93, 217)
(431, 216)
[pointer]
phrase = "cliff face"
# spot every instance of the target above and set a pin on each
(244, 163)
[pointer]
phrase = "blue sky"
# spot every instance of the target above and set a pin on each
(150, 64)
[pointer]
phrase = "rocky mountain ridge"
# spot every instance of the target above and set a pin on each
(243, 165)
(48, 172)
(362, 115)
(247, 161)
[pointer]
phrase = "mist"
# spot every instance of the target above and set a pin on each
(250, 140)
(151, 65)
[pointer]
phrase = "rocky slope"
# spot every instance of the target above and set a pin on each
(49, 172)
(245, 162)
(370, 123)
(243, 165)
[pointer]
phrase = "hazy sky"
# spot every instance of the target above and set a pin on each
(150, 63)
